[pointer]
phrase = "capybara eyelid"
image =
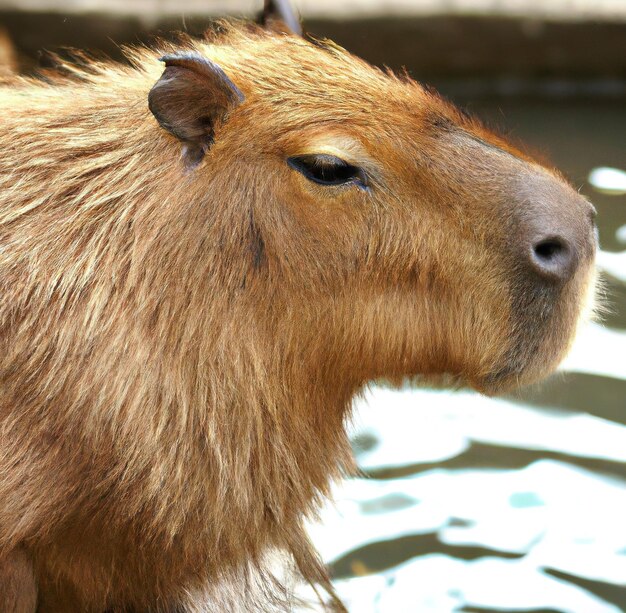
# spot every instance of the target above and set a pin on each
(328, 170)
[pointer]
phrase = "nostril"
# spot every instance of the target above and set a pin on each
(549, 249)
(553, 258)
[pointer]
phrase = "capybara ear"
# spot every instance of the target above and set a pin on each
(280, 16)
(192, 96)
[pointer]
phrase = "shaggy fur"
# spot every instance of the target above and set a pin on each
(179, 347)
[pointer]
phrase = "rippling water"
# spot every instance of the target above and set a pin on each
(512, 504)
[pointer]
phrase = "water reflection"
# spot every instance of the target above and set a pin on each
(515, 504)
(439, 583)
(608, 180)
(583, 393)
(473, 478)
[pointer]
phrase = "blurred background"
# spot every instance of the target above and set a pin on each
(465, 503)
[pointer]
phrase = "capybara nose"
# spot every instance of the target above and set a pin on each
(560, 235)
(553, 257)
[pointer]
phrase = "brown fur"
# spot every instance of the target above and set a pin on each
(179, 348)
(18, 593)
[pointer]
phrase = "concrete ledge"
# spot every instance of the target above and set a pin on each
(559, 10)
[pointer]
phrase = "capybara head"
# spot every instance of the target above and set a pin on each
(388, 233)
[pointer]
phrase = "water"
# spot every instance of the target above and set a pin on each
(512, 504)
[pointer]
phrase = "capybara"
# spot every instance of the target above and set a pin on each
(204, 255)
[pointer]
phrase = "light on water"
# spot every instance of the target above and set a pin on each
(599, 350)
(515, 524)
(613, 264)
(470, 503)
(608, 180)
(436, 583)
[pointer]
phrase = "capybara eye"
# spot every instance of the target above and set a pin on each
(327, 169)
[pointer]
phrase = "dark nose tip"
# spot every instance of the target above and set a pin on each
(553, 257)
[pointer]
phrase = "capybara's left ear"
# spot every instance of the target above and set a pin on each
(192, 96)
